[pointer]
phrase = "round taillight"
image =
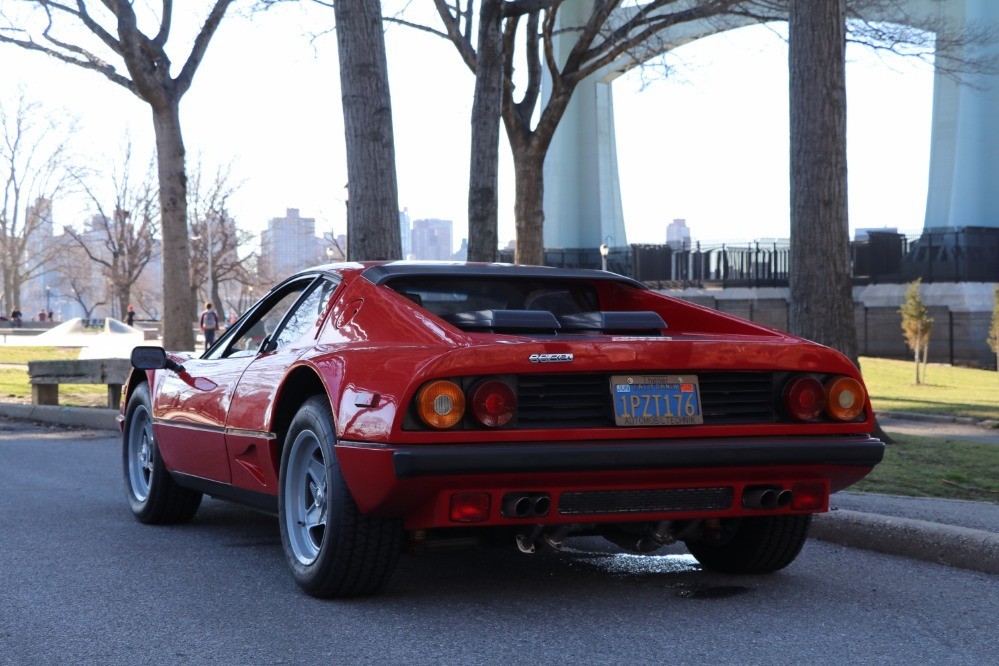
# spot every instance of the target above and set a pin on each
(493, 403)
(805, 398)
(845, 398)
(440, 404)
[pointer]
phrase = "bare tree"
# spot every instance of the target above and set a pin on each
(216, 241)
(78, 278)
(109, 31)
(373, 211)
(122, 240)
(36, 167)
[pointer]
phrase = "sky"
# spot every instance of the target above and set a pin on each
(708, 143)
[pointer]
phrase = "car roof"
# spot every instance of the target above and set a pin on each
(381, 273)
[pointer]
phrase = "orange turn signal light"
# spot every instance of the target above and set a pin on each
(845, 398)
(440, 404)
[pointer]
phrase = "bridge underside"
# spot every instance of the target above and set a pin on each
(582, 191)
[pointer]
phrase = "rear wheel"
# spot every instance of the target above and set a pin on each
(332, 548)
(753, 545)
(153, 495)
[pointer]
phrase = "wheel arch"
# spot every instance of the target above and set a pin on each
(300, 384)
(135, 379)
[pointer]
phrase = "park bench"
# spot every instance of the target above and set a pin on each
(46, 376)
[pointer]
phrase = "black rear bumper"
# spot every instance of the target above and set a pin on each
(417, 461)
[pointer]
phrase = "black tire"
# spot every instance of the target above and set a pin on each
(153, 496)
(754, 545)
(333, 550)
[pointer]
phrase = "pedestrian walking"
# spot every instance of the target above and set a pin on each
(15, 316)
(130, 316)
(209, 324)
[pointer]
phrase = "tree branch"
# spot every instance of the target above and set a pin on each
(201, 45)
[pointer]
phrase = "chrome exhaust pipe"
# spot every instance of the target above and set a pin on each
(555, 539)
(759, 497)
(526, 505)
(784, 498)
(517, 506)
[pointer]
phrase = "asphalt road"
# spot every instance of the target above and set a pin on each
(82, 582)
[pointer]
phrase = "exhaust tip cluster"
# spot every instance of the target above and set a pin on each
(766, 497)
(526, 505)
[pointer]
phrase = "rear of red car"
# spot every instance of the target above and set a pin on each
(547, 403)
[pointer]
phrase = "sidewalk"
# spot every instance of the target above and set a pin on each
(957, 533)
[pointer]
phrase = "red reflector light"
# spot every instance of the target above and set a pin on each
(809, 496)
(805, 398)
(470, 507)
(493, 403)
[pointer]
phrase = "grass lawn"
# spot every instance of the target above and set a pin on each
(14, 387)
(25, 354)
(929, 467)
(946, 390)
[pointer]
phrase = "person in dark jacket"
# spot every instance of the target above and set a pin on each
(130, 316)
(209, 324)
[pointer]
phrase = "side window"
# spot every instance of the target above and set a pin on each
(305, 315)
(247, 342)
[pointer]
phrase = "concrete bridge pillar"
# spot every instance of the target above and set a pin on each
(583, 194)
(964, 150)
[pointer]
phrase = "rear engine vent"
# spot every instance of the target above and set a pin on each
(737, 397)
(584, 400)
(645, 501)
(552, 401)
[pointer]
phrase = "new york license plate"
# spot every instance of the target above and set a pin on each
(651, 400)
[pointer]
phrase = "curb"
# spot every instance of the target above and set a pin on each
(954, 546)
(935, 418)
(81, 417)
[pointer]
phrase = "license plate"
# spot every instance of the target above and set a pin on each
(656, 400)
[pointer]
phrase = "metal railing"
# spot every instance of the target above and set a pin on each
(968, 254)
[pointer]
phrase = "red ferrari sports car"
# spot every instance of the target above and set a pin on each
(382, 407)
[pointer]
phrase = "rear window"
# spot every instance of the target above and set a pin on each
(446, 296)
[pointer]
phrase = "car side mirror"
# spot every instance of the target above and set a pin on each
(268, 345)
(153, 358)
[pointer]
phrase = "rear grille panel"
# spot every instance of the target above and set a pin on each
(584, 400)
(645, 501)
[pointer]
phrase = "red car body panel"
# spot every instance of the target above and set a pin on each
(371, 349)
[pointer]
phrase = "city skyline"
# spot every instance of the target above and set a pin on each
(718, 125)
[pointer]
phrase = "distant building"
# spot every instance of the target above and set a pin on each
(405, 233)
(289, 244)
(432, 240)
(677, 234)
(38, 252)
(462, 253)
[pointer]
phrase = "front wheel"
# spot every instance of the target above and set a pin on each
(753, 545)
(333, 550)
(153, 495)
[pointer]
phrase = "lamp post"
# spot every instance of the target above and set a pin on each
(48, 299)
(604, 251)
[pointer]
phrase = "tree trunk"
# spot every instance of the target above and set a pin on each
(373, 210)
(487, 107)
(178, 305)
(821, 292)
(216, 300)
(124, 296)
(529, 206)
